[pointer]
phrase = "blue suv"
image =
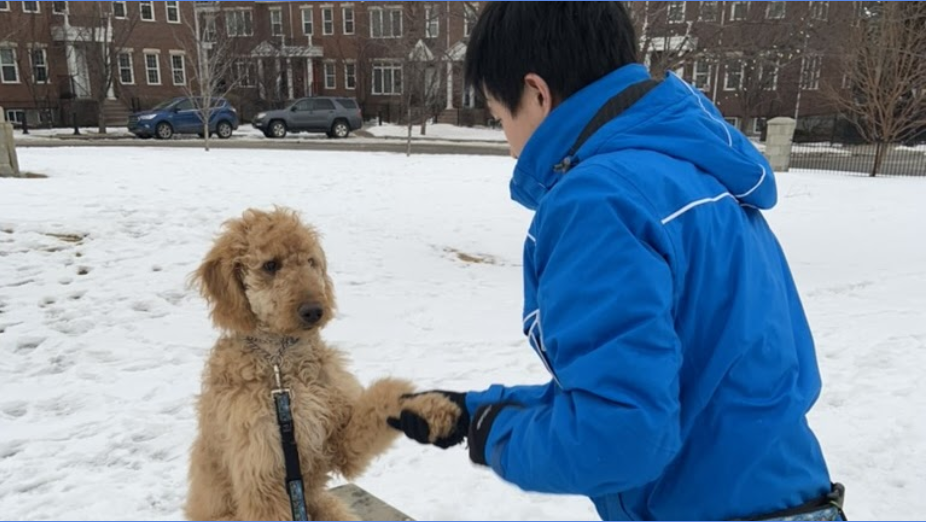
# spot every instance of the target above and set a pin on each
(184, 115)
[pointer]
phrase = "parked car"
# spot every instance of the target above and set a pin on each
(184, 115)
(337, 117)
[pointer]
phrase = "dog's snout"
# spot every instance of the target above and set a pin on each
(311, 313)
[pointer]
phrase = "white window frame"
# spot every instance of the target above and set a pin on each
(125, 10)
(348, 9)
(713, 11)
(756, 127)
(44, 65)
(157, 69)
(330, 73)
(707, 77)
(350, 75)
(775, 66)
(57, 12)
(5, 6)
(175, 5)
(384, 14)
(276, 26)
(810, 79)
(819, 10)
(130, 68)
(244, 70)
(15, 116)
(391, 68)
(771, 13)
(470, 16)
(241, 28)
(327, 20)
(742, 16)
(431, 22)
(141, 11)
(14, 65)
(675, 12)
(726, 74)
(310, 21)
(38, 7)
(734, 121)
(174, 70)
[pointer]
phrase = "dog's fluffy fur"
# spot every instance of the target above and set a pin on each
(236, 468)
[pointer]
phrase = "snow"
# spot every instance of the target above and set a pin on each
(102, 343)
(438, 131)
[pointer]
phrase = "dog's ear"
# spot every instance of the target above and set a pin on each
(219, 282)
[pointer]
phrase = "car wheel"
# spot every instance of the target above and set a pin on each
(164, 131)
(277, 129)
(224, 130)
(340, 129)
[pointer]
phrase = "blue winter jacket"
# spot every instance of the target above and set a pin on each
(659, 299)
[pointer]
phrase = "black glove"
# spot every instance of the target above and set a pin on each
(480, 427)
(416, 427)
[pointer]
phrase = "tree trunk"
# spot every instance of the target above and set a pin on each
(101, 119)
(408, 121)
(206, 130)
(880, 152)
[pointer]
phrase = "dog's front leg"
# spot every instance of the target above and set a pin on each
(367, 434)
(210, 494)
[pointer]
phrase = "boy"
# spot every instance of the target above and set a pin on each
(682, 362)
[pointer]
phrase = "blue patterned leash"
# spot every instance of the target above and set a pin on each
(281, 399)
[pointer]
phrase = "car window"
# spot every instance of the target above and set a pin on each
(304, 105)
(347, 103)
(185, 105)
(324, 105)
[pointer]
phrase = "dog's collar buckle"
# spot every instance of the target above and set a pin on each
(279, 390)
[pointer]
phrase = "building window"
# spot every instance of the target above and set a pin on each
(147, 11)
(327, 20)
(276, 22)
(173, 12)
(708, 12)
(385, 23)
(810, 72)
(676, 12)
(469, 97)
(126, 71)
(431, 22)
(733, 121)
(59, 7)
(350, 76)
(238, 23)
(9, 69)
(178, 69)
(701, 75)
(308, 28)
(119, 9)
(153, 68)
(16, 116)
(739, 11)
(331, 76)
(819, 10)
(776, 10)
(245, 74)
(758, 124)
(347, 15)
(387, 79)
(4, 6)
(31, 7)
(39, 66)
(733, 79)
(469, 18)
(209, 30)
(768, 74)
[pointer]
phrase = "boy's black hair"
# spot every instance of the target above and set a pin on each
(568, 44)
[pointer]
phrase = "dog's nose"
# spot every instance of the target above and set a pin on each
(311, 313)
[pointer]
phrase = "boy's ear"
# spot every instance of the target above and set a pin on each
(539, 90)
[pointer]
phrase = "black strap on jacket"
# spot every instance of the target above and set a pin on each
(281, 399)
(832, 500)
(610, 110)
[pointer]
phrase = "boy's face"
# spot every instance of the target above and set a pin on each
(536, 104)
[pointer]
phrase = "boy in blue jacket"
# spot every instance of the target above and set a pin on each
(682, 364)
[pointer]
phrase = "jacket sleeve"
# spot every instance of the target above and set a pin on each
(605, 295)
(522, 395)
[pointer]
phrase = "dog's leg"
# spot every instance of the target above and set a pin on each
(367, 434)
(209, 496)
(325, 506)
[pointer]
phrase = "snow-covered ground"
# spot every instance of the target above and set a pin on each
(438, 131)
(101, 343)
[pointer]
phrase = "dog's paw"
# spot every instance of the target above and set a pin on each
(441, 414)
(387, 394)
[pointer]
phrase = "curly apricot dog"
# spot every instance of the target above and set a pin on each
(269, 291)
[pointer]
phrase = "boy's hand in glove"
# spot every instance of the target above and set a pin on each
(433, 417)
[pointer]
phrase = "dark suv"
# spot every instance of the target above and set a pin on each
(334, 116)
(184, 116)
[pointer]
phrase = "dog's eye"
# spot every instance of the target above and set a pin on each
(271, 267)
(313, 263)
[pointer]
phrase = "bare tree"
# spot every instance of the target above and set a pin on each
(217, 61)
(883, 92)
(99, 37)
